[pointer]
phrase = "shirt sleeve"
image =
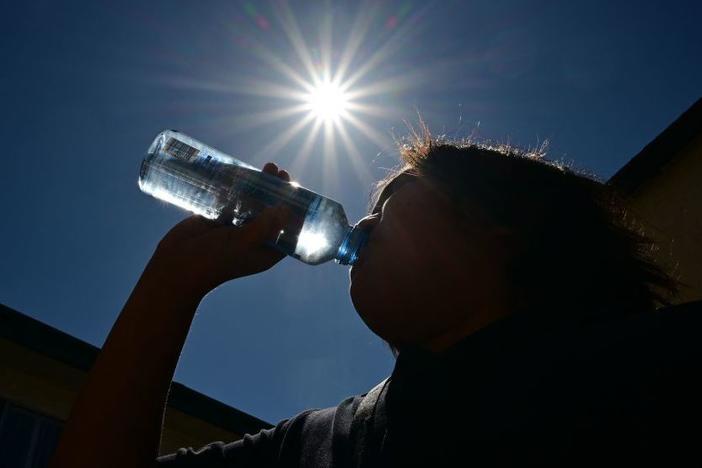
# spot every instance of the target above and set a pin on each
(260, 450)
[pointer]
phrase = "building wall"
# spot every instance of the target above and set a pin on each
(670, 206)
(49, 387)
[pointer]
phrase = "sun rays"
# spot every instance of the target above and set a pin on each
(323, 98)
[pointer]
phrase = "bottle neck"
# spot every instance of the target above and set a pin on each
(354, 240)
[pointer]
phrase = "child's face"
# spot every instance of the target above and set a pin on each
(419, 275)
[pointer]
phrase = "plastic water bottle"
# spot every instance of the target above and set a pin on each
(189, 174)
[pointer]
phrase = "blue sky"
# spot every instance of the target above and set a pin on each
(85, 86)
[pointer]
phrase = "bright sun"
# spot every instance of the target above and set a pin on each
(324, 94)
(327, 102)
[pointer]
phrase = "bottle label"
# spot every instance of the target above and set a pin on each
(180, 150)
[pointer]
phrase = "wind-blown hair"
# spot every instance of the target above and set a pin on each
(575, 246)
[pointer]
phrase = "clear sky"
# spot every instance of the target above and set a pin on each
(85, 86)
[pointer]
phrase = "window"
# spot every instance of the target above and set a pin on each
(27, 439)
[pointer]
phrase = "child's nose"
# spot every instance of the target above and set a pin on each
(367, 223)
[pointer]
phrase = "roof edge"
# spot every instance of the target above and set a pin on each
(60, 346)
(660, 151)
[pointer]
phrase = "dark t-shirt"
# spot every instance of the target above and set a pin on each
(525, 390)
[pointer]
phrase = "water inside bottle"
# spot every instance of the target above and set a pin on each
(204, 181)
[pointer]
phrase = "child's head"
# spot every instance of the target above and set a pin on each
(470, 233)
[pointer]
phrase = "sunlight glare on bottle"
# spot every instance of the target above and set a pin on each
(310, 243)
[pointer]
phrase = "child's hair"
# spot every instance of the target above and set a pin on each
(576, 247)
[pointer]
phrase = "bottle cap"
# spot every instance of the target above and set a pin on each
(352, 244)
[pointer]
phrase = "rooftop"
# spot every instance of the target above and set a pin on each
(651, 160)
(48, 341)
